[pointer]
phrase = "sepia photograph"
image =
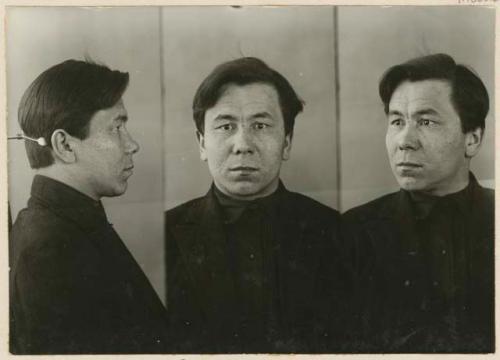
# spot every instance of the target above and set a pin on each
(250, 179)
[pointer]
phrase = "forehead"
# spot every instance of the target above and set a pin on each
(248, 96)
(435, 94)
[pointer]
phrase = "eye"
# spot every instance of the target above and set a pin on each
(396, 122)
(225, 127)
(260, 126)
(117, 127)
(426, 122)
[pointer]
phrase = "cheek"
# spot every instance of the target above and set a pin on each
(270, 142)
(107, 153)
(216, 155)
(218, 145)
(389, 143)
(104, 144)
(439, 146)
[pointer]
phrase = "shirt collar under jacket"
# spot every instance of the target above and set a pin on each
(423, 203)
(233, 208)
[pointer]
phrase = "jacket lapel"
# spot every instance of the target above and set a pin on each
(295, 251)
(480, 227)
(396, 259)
(202, 242)
(393, 231)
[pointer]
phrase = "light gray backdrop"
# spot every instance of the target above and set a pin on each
(338, 155)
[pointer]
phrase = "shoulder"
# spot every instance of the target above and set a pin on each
(308, 207)
(41, 226)
(180, 212)
(487, 197)
(41, 237)
(370, 210)
(482, 207)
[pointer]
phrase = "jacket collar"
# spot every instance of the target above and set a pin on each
(401, 205)
(210, 208)
(68, 203)
(203, 245)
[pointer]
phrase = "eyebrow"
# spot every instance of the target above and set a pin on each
(394, 113)
(229, 117)
(123, 118)
(222, 117)
(262, 114)
(428, 111)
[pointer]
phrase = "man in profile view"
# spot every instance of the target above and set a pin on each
(74, 286)
(424, 256)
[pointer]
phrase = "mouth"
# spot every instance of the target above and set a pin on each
(129, 169)
(243, 168)
(243, 172)
(408, 165)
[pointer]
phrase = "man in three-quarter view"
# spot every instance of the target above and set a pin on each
(424, 256)
(250, 263)
(74, 286)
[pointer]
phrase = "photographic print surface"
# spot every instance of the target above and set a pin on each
(303, 292)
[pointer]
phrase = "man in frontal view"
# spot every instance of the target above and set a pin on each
(250, 263)
(74, 286)
(425, 255)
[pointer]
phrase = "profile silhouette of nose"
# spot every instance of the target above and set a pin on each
(132, 145)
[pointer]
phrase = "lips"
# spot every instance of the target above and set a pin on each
(129, 169)
(408, 164)
(243, 168)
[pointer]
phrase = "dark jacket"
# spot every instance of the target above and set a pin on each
(201, 296)
(391, 276)
(74, 286)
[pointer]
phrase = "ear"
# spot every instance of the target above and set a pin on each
(201, 146)
(62, 146)
(288, 147)
(473, 141)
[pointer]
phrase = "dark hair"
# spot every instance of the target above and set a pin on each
(66, 96)
(468, 93)
(244, 71)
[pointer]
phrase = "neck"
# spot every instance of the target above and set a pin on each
(270, 189)
(458, 184)
(66, 177)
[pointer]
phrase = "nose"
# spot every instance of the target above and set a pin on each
(131, 145)
(243, 141)
(408, 138)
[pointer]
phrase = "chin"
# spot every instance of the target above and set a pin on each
(244, 190)
(411, 184)
(117, 190)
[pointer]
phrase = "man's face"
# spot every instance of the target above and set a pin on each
(244, 141)
(104, 158)
(425, 143)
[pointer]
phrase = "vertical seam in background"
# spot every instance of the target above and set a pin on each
(163, 165)
(338, 153)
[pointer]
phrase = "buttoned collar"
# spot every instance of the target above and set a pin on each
(423, 204)
(233, 208)
(400, 205)
(68, 203)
